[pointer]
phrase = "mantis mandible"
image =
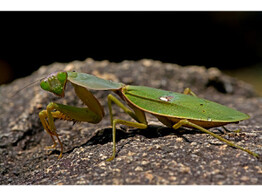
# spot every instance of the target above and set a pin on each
(172, 109)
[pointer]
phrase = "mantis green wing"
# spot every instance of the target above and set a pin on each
(92, 82)
(181, 106)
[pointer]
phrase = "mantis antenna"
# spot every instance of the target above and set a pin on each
(28, 85)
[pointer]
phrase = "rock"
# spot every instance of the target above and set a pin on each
(156, 155)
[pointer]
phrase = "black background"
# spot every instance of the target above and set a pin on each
(228, 40)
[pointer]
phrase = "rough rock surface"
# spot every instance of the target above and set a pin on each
(157, 155)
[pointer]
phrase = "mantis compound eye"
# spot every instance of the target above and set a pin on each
(44, 85)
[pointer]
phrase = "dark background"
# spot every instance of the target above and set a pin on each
(228, 40)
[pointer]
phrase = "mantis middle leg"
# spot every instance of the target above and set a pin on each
(137, 115)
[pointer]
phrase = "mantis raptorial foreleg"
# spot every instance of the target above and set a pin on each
(190, 124)
(47, 120)
(93, 114)
(64, 112)
(137, 115)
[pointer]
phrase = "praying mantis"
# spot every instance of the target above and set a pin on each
(170, 108)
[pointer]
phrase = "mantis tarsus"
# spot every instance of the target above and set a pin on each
(172, 109)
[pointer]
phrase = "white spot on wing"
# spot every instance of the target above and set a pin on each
(166, 98)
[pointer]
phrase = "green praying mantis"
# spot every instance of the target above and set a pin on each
(170, 108)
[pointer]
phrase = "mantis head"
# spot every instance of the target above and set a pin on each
(55, 83)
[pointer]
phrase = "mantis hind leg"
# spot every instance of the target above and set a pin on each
(190, 124)
(137, 115)
(188, 91)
